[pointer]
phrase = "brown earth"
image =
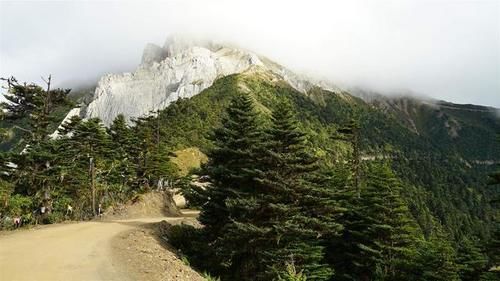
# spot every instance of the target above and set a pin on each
(151, 204)
(146, 256)
(106, 249)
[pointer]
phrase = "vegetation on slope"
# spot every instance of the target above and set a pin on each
(269, 210)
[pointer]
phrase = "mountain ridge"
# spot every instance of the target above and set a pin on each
(179, 69)
(183, 67)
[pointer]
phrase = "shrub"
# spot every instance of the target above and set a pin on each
(6, 223)
(209, 277)
(61, 204)
(19, 205)
(185, 261)
(192, 245)
(53, 217)
(290, 274)
(183, 236)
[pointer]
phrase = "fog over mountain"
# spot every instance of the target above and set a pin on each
(443, 49)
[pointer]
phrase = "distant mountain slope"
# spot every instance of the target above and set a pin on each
(465, 129)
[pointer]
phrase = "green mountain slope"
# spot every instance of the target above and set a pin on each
(467, 130)
(443, 183)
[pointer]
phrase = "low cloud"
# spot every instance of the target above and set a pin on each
(444, 49)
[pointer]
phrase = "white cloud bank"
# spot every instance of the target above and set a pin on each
(444, 49)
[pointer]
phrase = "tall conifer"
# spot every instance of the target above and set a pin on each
(300, 212)
(231, 162)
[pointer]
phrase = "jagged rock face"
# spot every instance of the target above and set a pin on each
(164, 75)
(180, 69)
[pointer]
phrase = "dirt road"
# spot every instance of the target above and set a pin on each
(79, 251)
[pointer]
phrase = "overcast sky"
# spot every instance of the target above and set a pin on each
(443, 49)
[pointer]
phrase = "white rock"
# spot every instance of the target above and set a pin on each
(73, 112)
(181, 69)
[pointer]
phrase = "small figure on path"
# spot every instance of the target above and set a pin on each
(69, 210)
(17, 221)
(99, 210)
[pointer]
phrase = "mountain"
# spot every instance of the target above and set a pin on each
(442, 151)
(181, 68)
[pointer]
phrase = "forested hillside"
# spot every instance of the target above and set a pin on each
(323, 185)
(440, 185)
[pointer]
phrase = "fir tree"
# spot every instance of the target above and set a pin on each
(435, 260)
(231, 162)
(123, 170)
(472, 262)
(87, 160)
(379, 235)
(34, 103)
(35, 108)
(66, 128)
(395, 232)
(342, 250)
(493, 245)
(275, 213)
(300, 212)
(290, 274)
(152, 156)
(38, 171)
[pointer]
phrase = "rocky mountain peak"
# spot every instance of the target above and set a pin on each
(182, 68)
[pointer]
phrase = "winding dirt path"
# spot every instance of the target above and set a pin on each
(79, 251)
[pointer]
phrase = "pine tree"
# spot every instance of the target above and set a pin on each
(276, 214)
(34, 103)
(231, 162)
(123, 170)
(304, 209)
(152, 156)
(37, 172)
(35, 108)
(435, 260)
(380, 235)
(471, 261)
(493, 245)
(87, 154)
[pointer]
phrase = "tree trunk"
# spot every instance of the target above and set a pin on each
(92, 183)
